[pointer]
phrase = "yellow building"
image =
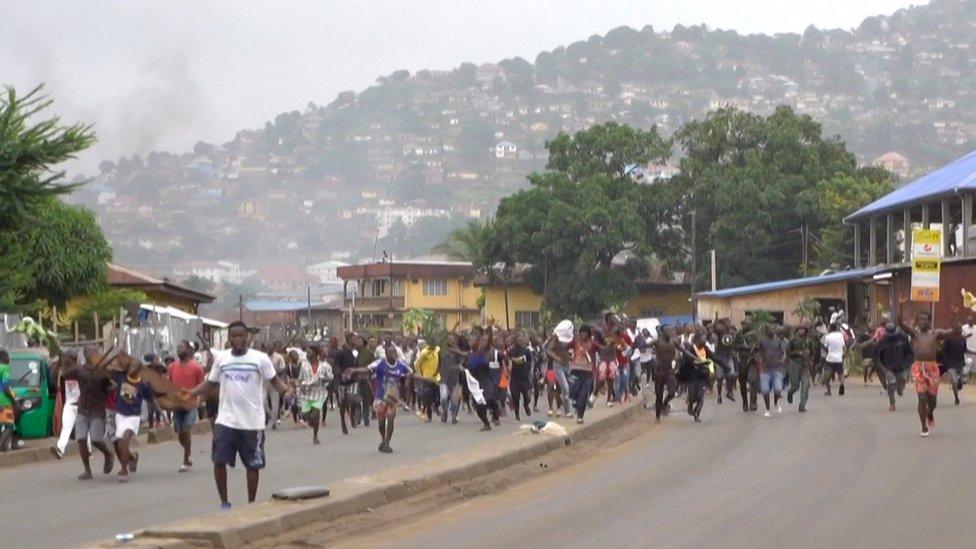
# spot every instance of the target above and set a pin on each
(385, 291)
(658, 299)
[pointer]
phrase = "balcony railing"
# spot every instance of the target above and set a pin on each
(376, 303)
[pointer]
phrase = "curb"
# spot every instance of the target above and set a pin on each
(357, 494)
(43, 453)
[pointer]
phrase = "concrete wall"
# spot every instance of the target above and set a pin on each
(776, 301)
(664, 302)
(667, 302)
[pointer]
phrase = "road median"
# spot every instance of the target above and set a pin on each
(361, 493)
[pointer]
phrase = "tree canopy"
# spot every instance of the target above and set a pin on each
(584, 212)
(737, 165)
(44, 253)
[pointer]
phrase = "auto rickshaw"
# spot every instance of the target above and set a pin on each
(30, 383)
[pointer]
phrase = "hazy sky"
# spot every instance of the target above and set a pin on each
(165, 74)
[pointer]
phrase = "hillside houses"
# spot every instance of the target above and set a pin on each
(318, 181)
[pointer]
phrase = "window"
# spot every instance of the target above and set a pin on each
(653, 313)
(527, 319)
(435, 287)
(398, 287)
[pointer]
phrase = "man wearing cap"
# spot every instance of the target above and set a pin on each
(557, 347)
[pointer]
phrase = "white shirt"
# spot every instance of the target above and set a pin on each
(835, 343)
(242, 393)
(636, 354)
(969, 332)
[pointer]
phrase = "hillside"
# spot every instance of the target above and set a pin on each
(396, 166)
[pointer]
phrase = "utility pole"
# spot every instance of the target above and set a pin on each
(308, 308)
(694, 252)
(714, 271)
(806, 255)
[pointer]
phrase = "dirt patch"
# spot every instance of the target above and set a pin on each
(346, 529)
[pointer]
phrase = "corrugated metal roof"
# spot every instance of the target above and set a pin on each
(947, 180)
(792, 283)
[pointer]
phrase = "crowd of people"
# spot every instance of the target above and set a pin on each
(489, 373)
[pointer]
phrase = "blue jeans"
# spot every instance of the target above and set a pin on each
(582, 386)
(771, 381)
(562, 379)
(450, 401)
(623, 381)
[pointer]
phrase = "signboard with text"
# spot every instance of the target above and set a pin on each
(926, 264)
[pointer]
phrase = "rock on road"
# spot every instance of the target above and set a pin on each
(848, 473)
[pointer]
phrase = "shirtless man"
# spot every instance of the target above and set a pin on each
(925, 370)
(662, 373)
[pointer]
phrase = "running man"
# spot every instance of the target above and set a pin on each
(835, 344)
(313, 390)
(131, 391)
(240, 374)
(662, 372)
(803, 350)
(90, 424)
(186, 373)
(390, 373)
(773, 349)
(557, 348)
(894, 354)
(925, 370)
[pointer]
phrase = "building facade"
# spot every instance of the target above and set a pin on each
(377, 295)
(881, 257)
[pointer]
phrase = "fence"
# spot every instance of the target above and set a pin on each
(8, 338)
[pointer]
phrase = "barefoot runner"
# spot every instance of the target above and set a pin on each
(186, 373)
(925, 370)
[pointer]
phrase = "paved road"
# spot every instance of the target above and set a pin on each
(847, 473)
(43, 505)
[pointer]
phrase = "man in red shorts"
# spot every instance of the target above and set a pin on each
(925, 370)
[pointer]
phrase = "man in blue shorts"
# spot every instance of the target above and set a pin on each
(239, 428)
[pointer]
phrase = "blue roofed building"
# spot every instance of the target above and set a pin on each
(868, 291)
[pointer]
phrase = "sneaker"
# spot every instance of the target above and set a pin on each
(184, 468)
(454, 421)
(56, 452)
(779, 409)
(610, 404)
(550, 413)
(924, 433)
(802, 409)
(579, 421)
(841, 390)
(225, 506)
(768, 414)
(591, 399)
(827, 393)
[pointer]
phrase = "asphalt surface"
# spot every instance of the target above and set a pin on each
(44, 505)
(848, 473)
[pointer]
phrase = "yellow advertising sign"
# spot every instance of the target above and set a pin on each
(926, 264)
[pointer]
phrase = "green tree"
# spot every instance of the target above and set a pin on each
(738, 164)
(468, 243)
(68, 254)
(584, 212)
(30, 148)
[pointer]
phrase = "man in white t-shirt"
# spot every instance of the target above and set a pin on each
(239, 428)
(835, 344)
(969, 332)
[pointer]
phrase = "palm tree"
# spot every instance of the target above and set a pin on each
(468, 243)
(475, 244)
